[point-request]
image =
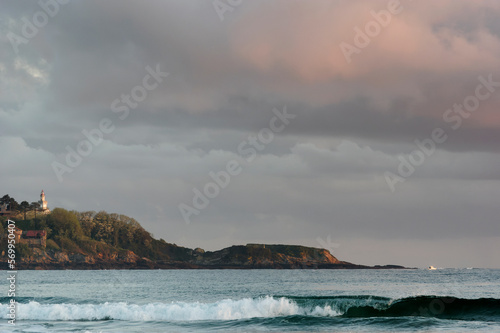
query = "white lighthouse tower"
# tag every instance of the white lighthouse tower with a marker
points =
(43, 202)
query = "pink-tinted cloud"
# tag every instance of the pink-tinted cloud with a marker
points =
(294, 47)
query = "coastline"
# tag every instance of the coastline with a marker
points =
(146, 264)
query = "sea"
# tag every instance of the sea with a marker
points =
(296, 300)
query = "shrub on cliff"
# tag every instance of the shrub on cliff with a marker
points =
(22, 251)
(64, 224)
(51, 245)
(67, 244)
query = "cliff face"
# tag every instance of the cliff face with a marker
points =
(260, 255)
(247, 256)
(234, 257)
(52, 259)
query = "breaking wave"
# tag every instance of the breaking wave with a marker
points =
(263, 307)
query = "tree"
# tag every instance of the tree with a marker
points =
(64, 223)
(86, 221)
(24, 206)
(14, 206)
(35, 205)
(5, 199)
(11, 203)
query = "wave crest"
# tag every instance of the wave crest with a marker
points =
(263, 307)
(266, 307)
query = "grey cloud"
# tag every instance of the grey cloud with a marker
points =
(324, 174)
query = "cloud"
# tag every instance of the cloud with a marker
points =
(323, 174)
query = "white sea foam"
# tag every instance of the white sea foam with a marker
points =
(264, 307)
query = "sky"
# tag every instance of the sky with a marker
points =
(370, 128)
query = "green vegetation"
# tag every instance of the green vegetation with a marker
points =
(15, 208)
(110, 236)
(51, 245)
(22, 250)
(90, 233)
(250, 252)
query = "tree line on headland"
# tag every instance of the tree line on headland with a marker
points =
(12, 205)
(100, 233)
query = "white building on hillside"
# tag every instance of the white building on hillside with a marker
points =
(43, 203)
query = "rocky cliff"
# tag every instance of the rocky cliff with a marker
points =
(235, 257)
(261, 255)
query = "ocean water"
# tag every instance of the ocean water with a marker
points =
(449, 300)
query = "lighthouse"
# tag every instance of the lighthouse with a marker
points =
(43, 202)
